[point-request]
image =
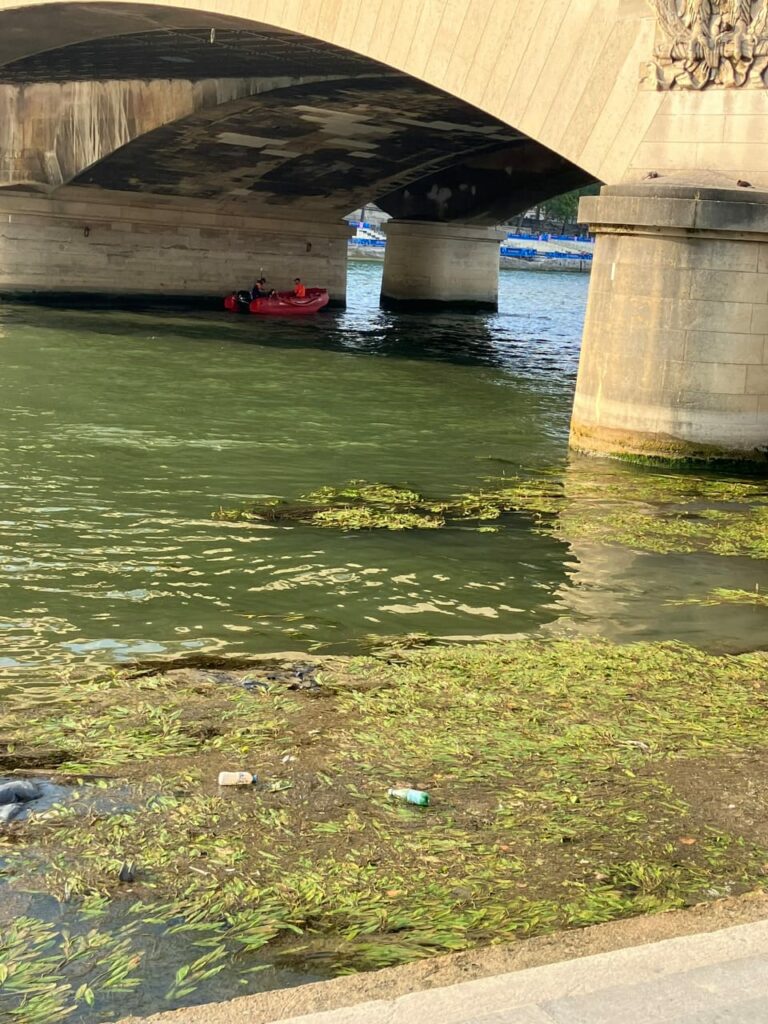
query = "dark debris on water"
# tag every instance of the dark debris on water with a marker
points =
(301, 677)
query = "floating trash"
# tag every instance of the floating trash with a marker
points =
(237, 778)
(20, 797)
(410, 796)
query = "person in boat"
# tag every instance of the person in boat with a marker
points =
(298, 288)
(261, 290)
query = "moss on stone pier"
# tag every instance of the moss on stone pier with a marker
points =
(664, 450)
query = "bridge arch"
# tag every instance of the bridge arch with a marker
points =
(576, 76)
(91, 83)
(111, 103)
(562, 73)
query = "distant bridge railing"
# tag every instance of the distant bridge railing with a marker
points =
(529, 237)
(369, 243)
(520, 253)
(516, 252)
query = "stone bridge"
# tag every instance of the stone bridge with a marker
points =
(148, 149)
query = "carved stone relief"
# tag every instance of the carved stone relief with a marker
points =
(709, 43)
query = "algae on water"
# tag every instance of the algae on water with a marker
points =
(723, 595)
(648, 511)
(569, 778)
(354, 506)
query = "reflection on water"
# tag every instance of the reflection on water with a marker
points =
(122, 432)
(629, 595)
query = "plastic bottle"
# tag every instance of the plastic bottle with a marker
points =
(237, 778)
(410, 796)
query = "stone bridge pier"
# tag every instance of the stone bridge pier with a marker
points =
(674, 361)
(428, 264)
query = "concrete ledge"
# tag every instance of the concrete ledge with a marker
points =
(108, 300)
(96, 206)
(669, 207)
(680, 980)
(575, 952)
(661, 189)
(126, 300)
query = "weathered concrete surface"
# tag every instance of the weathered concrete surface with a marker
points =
(451, 263)
(314, 150)
(674, 362)
(623, 963)
(706, 979)
(86, 241)
(50, 132)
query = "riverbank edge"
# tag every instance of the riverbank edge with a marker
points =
(439, 663)
(471, 965)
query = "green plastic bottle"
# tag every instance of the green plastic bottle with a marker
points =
(410, 796)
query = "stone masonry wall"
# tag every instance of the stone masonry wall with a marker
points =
(113, 243)
(50, 132)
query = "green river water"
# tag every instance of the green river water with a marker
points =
(121, 432)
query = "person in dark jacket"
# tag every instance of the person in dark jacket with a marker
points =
(261, 290)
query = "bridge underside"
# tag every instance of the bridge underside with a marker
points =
(321, 130)
(252, 123)
(318, 150)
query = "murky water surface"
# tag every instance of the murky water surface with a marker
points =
(120, 434)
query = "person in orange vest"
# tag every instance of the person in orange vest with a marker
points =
(298, 289)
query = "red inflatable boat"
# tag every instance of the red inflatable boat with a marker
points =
(281, 304)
